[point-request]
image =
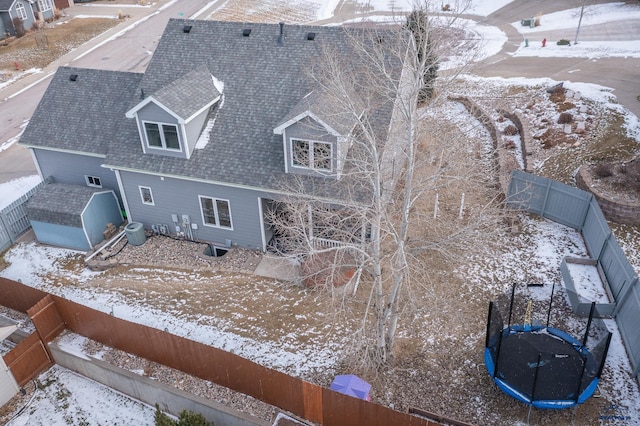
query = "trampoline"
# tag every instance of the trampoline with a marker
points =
(543, 366)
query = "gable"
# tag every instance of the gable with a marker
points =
(183, 98)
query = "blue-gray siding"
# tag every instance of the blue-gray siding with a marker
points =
(170, 192)
(61, 235)
(194, 128)
(103, 208)
(72, 168)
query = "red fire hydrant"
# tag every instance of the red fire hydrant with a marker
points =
(544, 42)
(16, 65)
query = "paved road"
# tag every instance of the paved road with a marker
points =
(621, 74)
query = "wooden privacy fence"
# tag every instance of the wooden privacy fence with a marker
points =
(52, 314)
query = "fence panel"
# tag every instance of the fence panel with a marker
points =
(595, 230)
(17, 296)
(14, 220)
(28, 359)
(627, 320)
(616, 267)
(5, 239)
(552, 200)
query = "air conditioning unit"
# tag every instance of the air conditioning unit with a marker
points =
(164, 229)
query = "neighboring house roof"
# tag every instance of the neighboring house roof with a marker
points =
(60, 203)
(5, 5)
(185, 96)
(86, 114)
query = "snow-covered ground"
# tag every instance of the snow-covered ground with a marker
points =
(91, 403)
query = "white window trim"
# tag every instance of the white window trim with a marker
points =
(311, 142)
(45, 5)
(164, 144)
(140, 188)
(88, 180)
(215, 210)
(21, 11)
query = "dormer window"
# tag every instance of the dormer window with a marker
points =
(309, 154)
(162, 136)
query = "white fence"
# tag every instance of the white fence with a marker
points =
(13, 219)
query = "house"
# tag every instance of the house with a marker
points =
(198, 146)
(28, 12)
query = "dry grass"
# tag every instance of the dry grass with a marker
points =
(38, 48)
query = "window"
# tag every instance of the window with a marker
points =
(93, 181)
(215, 212)
(163, 136)
(311, 154)
(45, 5)
(146, 195)
(22, 12)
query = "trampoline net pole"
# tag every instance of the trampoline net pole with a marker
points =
(535, 378)
(486, 343)
(604, 355)
(583, 358)
(586, 333)
(513, 292)
(553, 287)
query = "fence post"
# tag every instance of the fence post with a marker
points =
(623, 295)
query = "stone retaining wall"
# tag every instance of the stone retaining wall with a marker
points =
(523, 129)
(504, 161)
(615, 211)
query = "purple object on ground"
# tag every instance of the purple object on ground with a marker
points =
(351, 385)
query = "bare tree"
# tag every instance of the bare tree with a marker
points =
(367, 223)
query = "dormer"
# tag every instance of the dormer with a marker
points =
(315, 137)
(171, 119)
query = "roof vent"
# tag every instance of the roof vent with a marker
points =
(246, 32)
(281, 36)
(141, 93)
(311, 36)
(73, 77)
(186, 29)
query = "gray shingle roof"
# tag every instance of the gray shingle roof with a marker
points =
(263, 81)
(6, 5)
(188, 93)
(323, 107)
(60, 203)
(85, 115)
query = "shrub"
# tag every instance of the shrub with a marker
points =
(18, 26)
(563, 42)
(187, 418)
(565, 118)
(510, 130)
(603, 170)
